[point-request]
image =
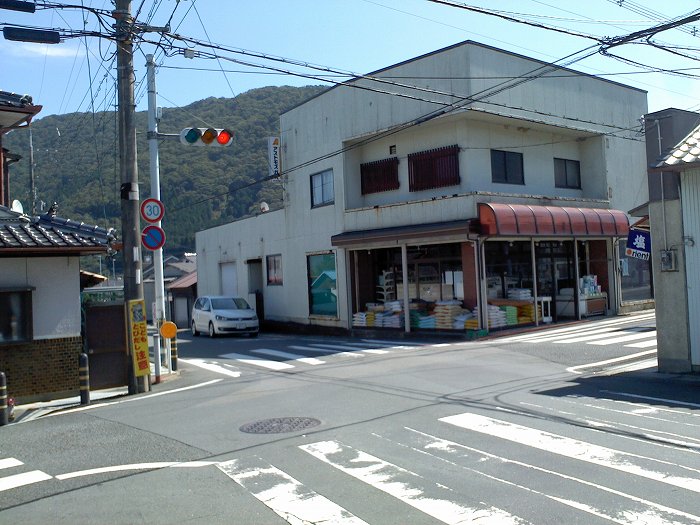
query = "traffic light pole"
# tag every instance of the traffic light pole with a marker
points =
(155, 193)
(128, 170)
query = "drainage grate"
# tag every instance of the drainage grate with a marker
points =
(277, 425)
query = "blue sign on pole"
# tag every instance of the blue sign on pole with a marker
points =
(153, 237)
(638, 244)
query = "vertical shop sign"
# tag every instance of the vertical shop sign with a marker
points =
(638, 244)
(139, 337)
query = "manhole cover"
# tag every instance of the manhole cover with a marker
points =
(277, 425)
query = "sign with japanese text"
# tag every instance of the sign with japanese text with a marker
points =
(638, 244)
(139, 337)
(273, 152)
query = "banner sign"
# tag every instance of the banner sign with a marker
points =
(638, 244)
(139, 337)
(273, 152)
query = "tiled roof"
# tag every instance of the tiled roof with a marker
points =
(46, 234)
(686, 152)
(184, 282)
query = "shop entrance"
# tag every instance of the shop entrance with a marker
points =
(556, 276)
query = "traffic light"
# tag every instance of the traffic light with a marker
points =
(206, 137)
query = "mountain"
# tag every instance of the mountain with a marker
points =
(76, 166)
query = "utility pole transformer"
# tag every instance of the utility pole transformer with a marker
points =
(128, 169)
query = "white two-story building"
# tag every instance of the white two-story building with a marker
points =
(469, 188)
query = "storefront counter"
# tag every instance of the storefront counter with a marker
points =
(595, 304)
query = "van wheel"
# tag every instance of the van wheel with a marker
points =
(195, 332)
(212, 332)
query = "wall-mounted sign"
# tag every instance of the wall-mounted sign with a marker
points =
(638, 244)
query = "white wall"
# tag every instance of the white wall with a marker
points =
(578, 118)
(56, 294)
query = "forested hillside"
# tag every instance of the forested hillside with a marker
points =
(75, 163)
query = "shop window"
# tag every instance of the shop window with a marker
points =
(321, 274)
(567, 174)
(636, 276)
(15, 315)
(380, 175)
(322, 188)
(274, 270)
(435, 168)
(507, 167)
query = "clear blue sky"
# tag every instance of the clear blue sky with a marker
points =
(352, 36)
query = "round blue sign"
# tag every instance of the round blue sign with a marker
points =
(153, 237)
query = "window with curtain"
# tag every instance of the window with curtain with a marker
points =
(322, 188)
(274, 269)
(434, 168)
(380, 175)
(15, 315)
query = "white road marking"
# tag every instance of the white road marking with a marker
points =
(20, 480)
(597, 334)
(643, 344)
(657, 400)
(265, 363)
(212, 367)
(652, 513)
(394, 344)
(576, 369)
(136, 466)
(575, 449)
(287, 355)
(554, 333)
(10, 462)
(286, 496)
(626, 338)
(399, 483)
(134, 399)
(324, 351)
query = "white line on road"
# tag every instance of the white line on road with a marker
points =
(287, 355)
(394, 480)
(286, 496)
(212, 367)
(10, 462)
(626, 338)
(576, 449)
(26, 478)
(324, 351)
(265, 363)
(651, 514)
(577, 369)
(136, 466)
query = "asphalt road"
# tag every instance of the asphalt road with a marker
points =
(513, 429)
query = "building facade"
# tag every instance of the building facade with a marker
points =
(466, 189)
(673, 138)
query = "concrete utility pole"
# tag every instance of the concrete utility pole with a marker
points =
(128, 170)
(155, 193)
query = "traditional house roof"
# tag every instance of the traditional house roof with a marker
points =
(22, 236)
(685, 155)
(16, 110)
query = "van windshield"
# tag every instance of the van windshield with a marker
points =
(229, 303)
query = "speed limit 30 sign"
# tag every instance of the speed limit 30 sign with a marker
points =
(152, 210)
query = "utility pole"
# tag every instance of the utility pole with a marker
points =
(155, 193)
(128, 169)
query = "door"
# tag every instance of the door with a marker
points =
(229, 279)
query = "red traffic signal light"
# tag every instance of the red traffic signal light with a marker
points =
(206, 137)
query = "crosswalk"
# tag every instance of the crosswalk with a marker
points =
(582, 461)
(626, 459)
(628, 331)
(19, 479)
(293, 356)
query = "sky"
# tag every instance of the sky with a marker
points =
(272, 42)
